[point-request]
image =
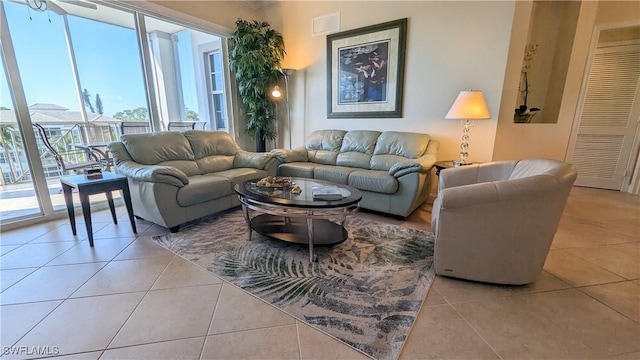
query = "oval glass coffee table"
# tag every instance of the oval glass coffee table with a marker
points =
(298, 218)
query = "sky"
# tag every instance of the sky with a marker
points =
(107, 59)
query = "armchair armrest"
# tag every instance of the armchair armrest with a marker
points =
(494, 192)
(152, 173)
(476, 173)
(291, 155)
(256, 160)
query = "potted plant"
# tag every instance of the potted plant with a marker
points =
(255, 56)
(524, 114)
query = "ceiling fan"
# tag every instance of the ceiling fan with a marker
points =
(44, 5)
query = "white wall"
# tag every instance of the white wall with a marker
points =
(519, 141)
(451, 46)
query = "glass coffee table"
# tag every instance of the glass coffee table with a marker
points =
(298, 218)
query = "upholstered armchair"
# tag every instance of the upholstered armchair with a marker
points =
(495, 222)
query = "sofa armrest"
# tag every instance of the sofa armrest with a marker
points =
(256, 160)
(421, 164)
(125, 165)
(152, 173)
(291, 155)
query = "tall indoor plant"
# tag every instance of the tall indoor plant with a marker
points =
(255, 56)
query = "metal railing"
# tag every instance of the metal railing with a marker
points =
(13, 161)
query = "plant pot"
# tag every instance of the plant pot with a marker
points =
(523, 118)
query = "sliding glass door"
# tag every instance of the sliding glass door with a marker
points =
(82, 73)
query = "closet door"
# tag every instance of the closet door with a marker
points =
(609, 117)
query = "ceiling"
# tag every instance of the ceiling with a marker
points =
(257, 4)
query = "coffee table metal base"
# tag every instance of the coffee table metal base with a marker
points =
(325, 232)
(310, 226)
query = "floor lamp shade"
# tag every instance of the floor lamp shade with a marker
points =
(469, 105)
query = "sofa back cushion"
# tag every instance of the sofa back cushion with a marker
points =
(357, 148)
(162, 148)
(363, 141)
(323, 146)
(213, 150)
(406, 144)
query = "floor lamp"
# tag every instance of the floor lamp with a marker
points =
(286, 73)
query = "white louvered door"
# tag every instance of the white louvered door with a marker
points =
(609, 117)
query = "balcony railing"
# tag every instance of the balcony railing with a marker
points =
(13, 161)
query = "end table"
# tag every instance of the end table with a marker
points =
(441, 165)
(108, 183)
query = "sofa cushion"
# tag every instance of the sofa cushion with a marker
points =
(188, 167)
(405, 144)
(354, 159)
(373, 180)
(335, 174)
(203, 188)
(214, 163)
(208, 143)
(323, 157)
(238, 175)
(154, 148)
(297, 169)
(328, 140)
(363, 141)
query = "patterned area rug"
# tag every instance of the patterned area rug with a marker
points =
(365, 291)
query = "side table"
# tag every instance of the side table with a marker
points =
(441, 165)
(108, 183)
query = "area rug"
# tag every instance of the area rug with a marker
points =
(365, 292)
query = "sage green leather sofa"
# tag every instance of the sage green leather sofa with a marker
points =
(392, 169)
(177, 177)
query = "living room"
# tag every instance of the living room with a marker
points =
(450, 46)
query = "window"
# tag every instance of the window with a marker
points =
(82, 73)
(216, 84)
(181, 73)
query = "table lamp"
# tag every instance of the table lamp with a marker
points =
(469, 105)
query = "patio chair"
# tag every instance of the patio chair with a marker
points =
(134, 127)
(64, 166)
(181, 125)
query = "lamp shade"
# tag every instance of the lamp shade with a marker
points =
(469, 105)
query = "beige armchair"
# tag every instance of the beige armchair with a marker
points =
(494, 222)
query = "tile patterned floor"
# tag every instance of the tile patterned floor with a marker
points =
(128, 298)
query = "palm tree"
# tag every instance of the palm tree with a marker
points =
(7, 142)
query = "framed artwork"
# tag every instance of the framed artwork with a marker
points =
(365, 71)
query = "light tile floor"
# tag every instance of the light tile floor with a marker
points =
(128, 298)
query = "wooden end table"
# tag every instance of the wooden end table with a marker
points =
(108, 183)
(441, 165)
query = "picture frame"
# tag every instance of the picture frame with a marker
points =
(365, 71)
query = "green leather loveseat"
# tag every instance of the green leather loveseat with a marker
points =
(392, 169)
(177, 177)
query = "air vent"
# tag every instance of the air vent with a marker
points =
(325, 24)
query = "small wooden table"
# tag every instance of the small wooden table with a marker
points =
(441, 165)
(108, 183)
